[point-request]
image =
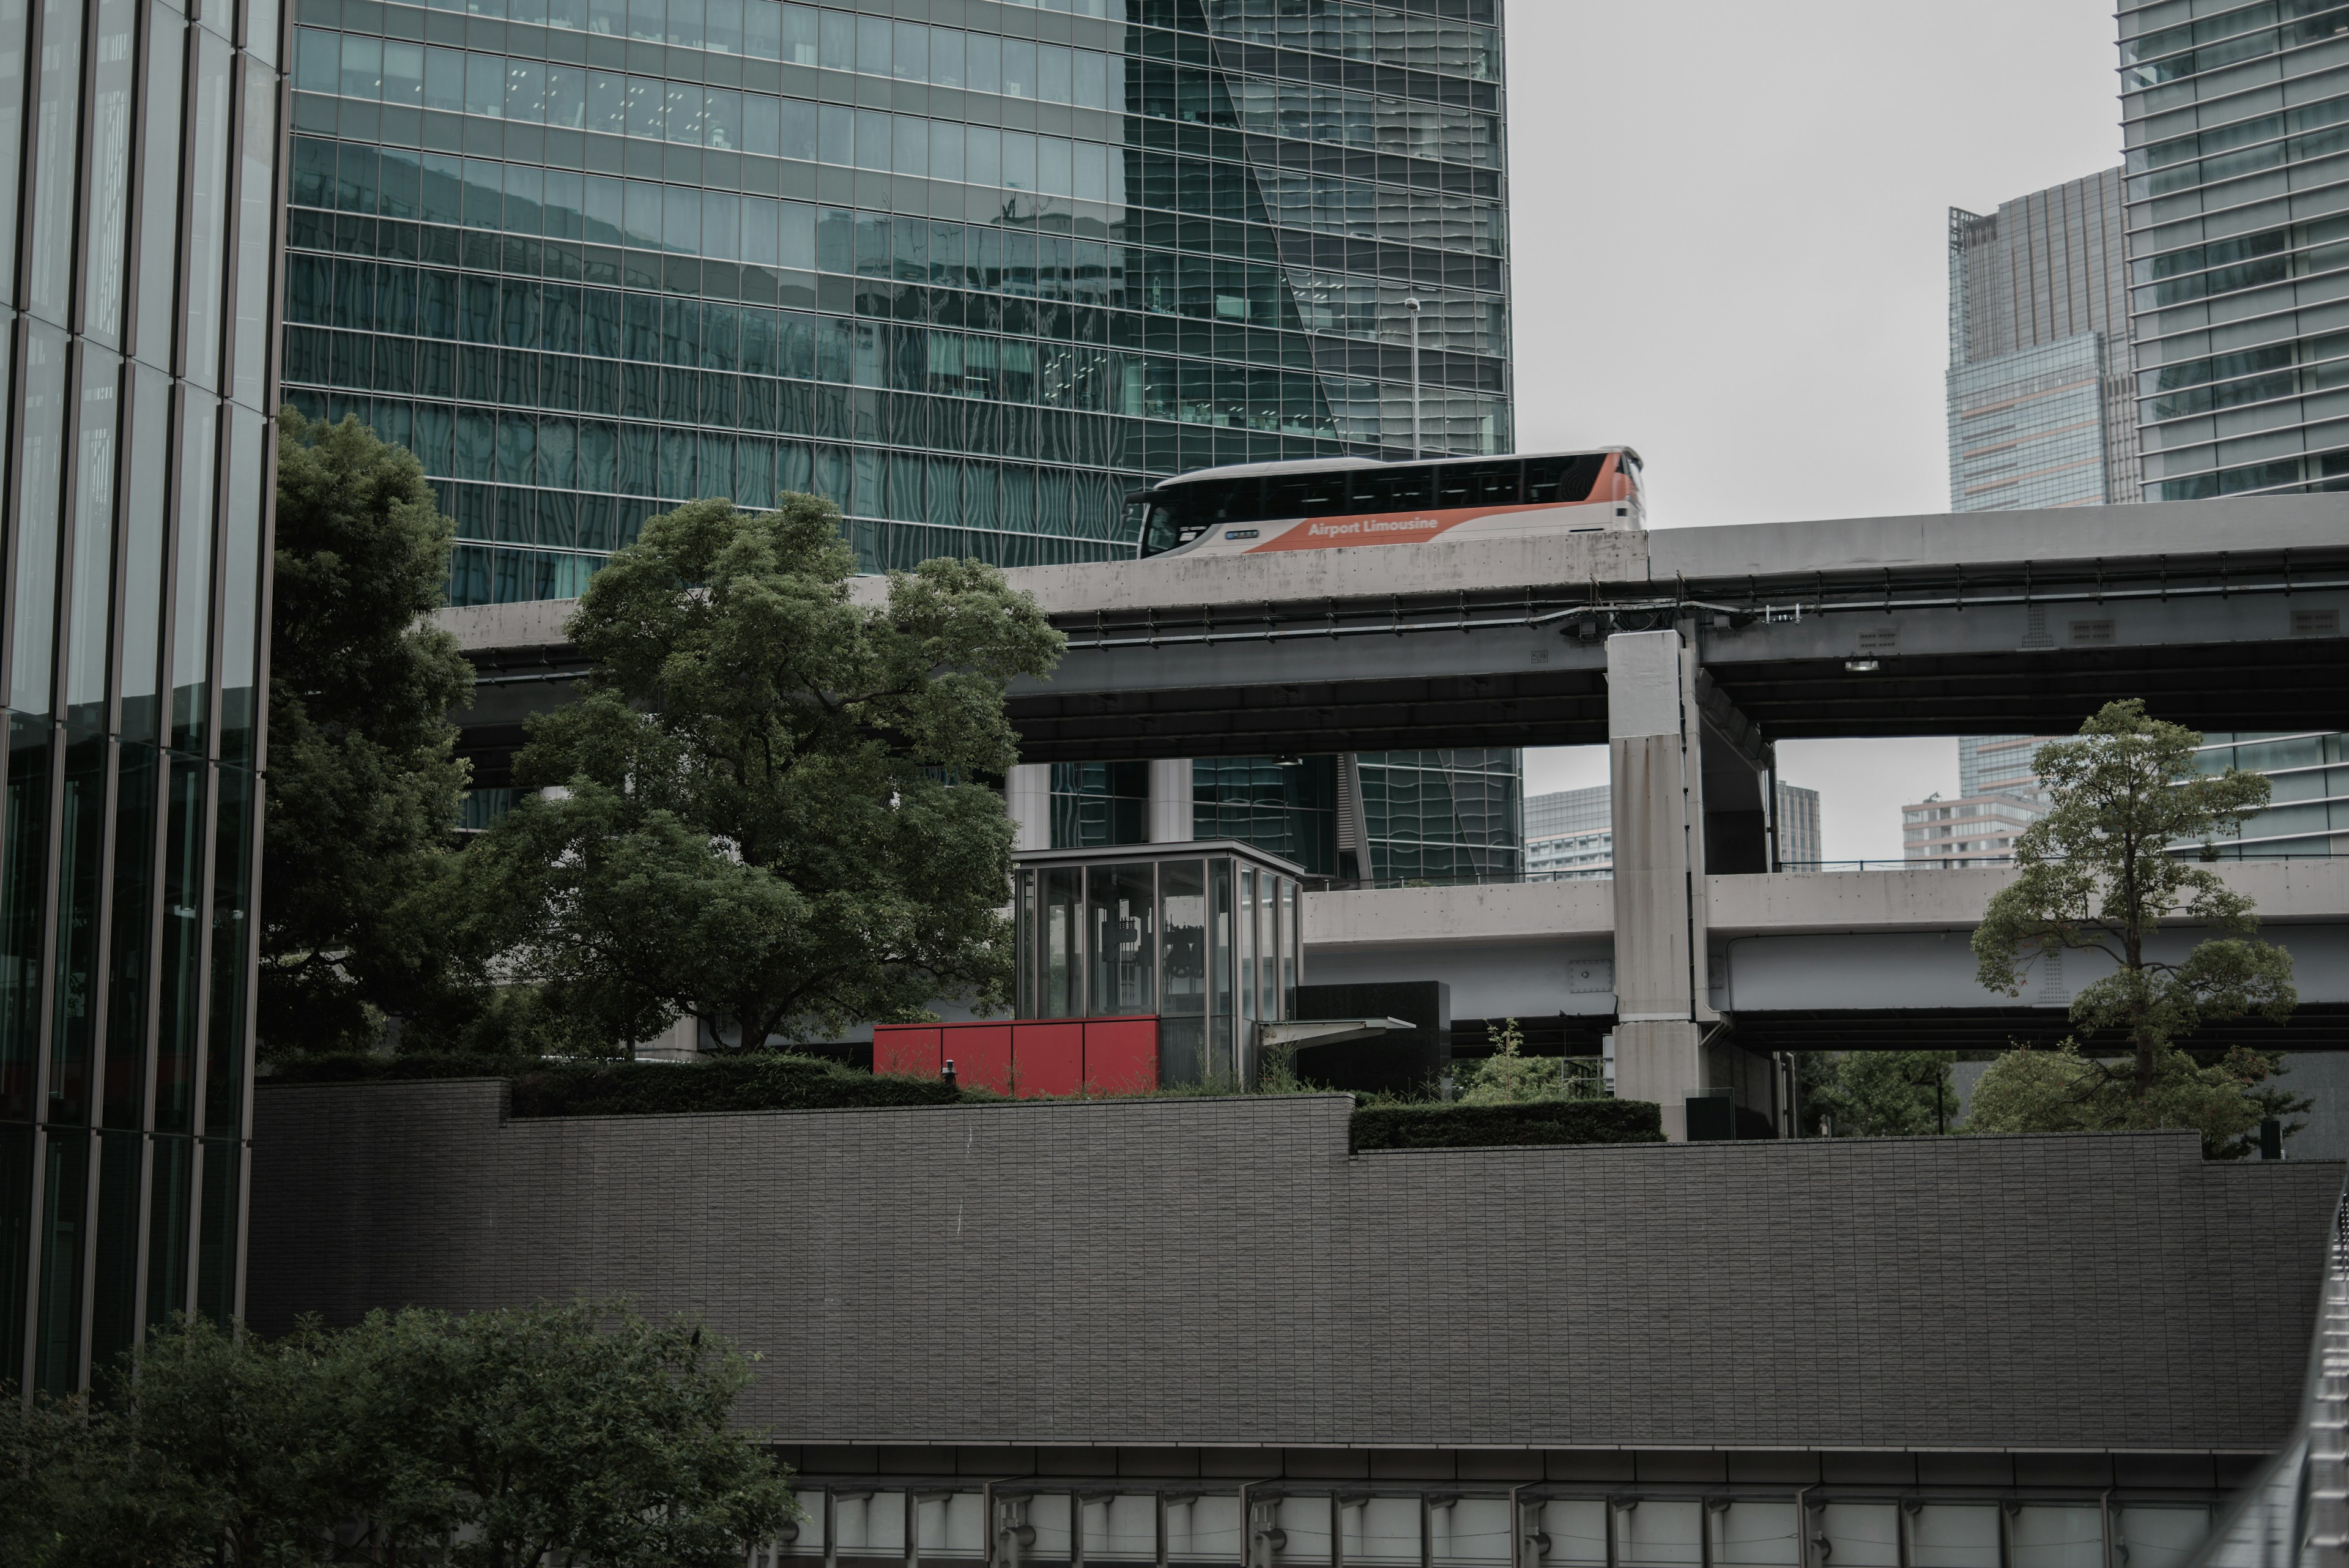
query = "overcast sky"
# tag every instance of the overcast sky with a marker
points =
(1730, 234)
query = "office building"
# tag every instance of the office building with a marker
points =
(1441, 815)
(139, 179)
(2000, 765)
(1570, 834)
(971, 269)
(2044, 407)
(2041, 409)
(2237, 237)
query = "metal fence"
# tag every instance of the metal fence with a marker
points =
(2295, 1513)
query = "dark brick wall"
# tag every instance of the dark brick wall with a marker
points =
(1219, 1272)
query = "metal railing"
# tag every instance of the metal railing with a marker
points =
(2295, 1512)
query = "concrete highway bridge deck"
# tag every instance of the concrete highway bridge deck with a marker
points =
(1869, 959)
(2223, 614)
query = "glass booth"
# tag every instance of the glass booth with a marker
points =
(1205, 936)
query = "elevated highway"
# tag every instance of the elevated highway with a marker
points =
(1874, 960)
(2225, 615)
(1875, 626)
(1690, 653)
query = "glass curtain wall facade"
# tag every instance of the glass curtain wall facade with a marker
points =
(1444, 815)
(2042, 410)
(139, 165)
(970, 269)
(2235, 117)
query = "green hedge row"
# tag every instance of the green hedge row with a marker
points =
(1487, 1126)
(760, 1083)
(781, 1083)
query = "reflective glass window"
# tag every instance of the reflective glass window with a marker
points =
(129, 966)
(91, 595)
(43, 416)
(202, 306)
(56, 115)
(57, 1333)
(81, 886)
(24, 866)
(170, 1211)
(192, 576)
(106, 226)
(14, 15)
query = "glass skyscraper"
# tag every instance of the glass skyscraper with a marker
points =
(1440, 816)
(2041, 409)
(971, 269)
(139, 178)
(2235, 117)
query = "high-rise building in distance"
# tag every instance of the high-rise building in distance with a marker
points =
(138, 184)
(2040, 405)
(2238, 242)
(1570, 834)
(971, 269)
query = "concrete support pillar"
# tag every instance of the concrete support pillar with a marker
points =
(1170, 801)
(1658, 800)
(1028, 796)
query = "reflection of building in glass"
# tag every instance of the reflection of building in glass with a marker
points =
(2310, 809)
(2238, 235)
(2040, 411)
(140, 180)
(1570, 834)
(2000, 765)
(1450, 815)
(972, 276)
(1285, 807)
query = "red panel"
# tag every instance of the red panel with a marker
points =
(1121, 1056)
(1052, 1058)
(910, 1050)
(981, 1053)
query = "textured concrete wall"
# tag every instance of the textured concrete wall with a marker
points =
(1221, 1273)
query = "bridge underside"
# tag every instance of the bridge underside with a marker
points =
(1546, 708)
(2228, 686)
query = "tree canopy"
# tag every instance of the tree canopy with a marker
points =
(2097, 875)
(495, 1441)
(364, 782)
(1878, 1094)
(770, 811)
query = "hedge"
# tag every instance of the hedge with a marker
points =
(1486, 1126)
(760, 1082)
(772, 1082)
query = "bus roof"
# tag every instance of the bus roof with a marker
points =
(1334, 464)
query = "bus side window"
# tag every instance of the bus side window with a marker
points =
(1228, 501)
(1397, 489)
(1305, 495)
(1542, 476)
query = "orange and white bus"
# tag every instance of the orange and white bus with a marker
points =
(1331, 502)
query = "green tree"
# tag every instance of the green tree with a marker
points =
(2027, 1091)
(494, 1441)
(770, 813)
(364, 783)
(2097, 874)
(1879, 1094)
(1509, 1077)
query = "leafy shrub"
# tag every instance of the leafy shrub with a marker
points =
(1486, 1126)
(762, 1081)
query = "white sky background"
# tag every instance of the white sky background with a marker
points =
(1730, 238)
